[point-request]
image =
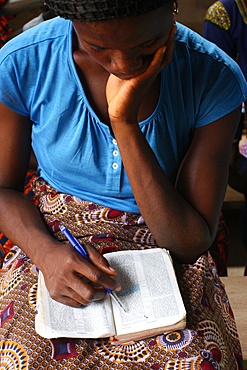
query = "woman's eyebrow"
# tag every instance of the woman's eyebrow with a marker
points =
(154, 38)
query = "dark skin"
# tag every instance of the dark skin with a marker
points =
(120, 69)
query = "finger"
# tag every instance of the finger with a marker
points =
(163, 54)
(99, 261)
(97, 271)
(78, 293)
(170, 46)
(77, 301)
(95, 275)
(70, 273)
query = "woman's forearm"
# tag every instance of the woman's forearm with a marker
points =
(22, 223)
(175, 224)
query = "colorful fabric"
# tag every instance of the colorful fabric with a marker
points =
(220, 247)
(5, 243)
(5, 30)
(210, 340)
(218, 15)
(5, 246)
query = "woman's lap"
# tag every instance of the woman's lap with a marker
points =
(209, 341)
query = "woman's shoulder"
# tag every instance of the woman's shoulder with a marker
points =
(193, 41)
(43, 34)
(188, 39)
(30, 61)
(201, 51)
(215, 79)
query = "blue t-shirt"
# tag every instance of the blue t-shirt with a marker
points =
(76, 152)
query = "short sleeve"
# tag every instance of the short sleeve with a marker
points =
(13, 75)
(225, 94)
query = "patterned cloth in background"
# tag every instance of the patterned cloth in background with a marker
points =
(225, 24)
(5, 30)
(209, 341)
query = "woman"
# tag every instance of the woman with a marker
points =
(129, 121)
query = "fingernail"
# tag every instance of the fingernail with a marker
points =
(112, 269)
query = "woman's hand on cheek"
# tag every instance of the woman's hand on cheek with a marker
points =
(124, 97)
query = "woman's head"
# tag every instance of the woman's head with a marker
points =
(96, 10)
(125, 46)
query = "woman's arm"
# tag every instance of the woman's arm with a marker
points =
(183, 218)
(22, 223)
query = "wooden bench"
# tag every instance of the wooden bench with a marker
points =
(236, 288)
(233, 199)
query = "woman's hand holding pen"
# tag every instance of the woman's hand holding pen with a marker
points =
(74, 281)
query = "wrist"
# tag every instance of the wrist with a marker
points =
(125, 130)
(123, 125)
(127, 121)
(41, 249)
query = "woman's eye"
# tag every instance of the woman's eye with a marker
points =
(96, 48)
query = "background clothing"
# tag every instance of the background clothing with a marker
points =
(188, 99)
(5, 30)
(226, 25)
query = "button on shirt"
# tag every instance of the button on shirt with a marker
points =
(76, 152)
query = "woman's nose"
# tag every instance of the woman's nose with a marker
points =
(123, 63)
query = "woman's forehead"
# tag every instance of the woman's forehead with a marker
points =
(136, 30)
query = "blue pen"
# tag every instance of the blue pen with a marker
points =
(80, 249)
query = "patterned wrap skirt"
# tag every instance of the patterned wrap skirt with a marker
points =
(209, 341)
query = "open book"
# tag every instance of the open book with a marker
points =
(150, 295)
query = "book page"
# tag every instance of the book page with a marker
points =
(92, 321)
(149, 290)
